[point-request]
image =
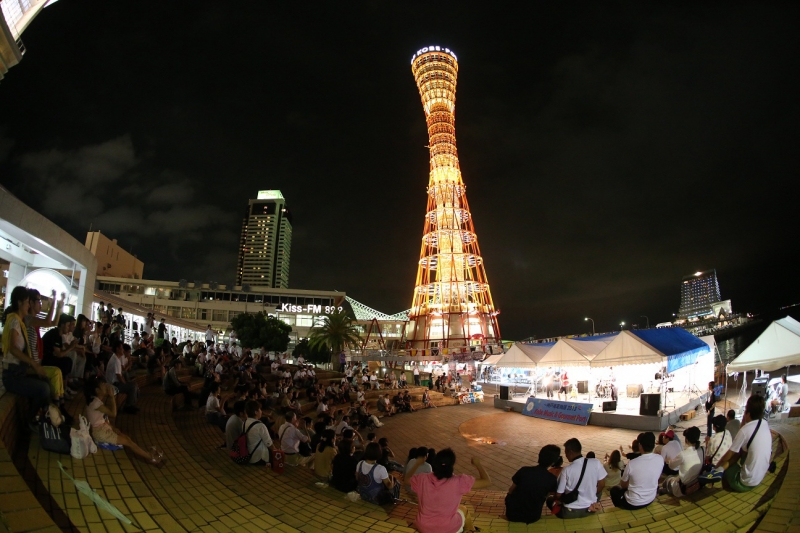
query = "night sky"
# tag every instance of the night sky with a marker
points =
(608, 149)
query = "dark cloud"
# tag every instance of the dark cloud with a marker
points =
(608, 149)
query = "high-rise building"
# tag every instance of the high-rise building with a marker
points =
(15, 16)
(699, 294)
(266, 242)
(452, 305)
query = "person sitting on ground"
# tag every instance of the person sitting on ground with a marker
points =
(366, 418)
(669, 451)
(59, 382)
(424, 468)
(732, 425)
(259, 442)
(18, 359)
(755, 436)
(720, 443)
(343, 466)
(386, 459)
(635, 451)
(100, 405)
(234, 424)
(570, 480)
(614, 467)
(215, 409)
(688, 463)
(324, 456)
(639, 485)
(407, 402)
(174, 386)
(781, 390)
(375, 485)
(439, 493)
(530, 487)
(115, 377)
(291, 436)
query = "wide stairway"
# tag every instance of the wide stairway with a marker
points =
(199, 488)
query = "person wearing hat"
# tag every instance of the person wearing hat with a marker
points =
(671, 449)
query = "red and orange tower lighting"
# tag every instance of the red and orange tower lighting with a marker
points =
(452, 304)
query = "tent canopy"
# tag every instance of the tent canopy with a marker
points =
(567, 352)
(516, 357)
(492, 359)
(776, 348)
(675, 345)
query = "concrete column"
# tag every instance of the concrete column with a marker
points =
(15, 274)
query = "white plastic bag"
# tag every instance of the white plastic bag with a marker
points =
(82, 443)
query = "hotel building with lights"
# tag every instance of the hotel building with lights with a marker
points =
(266, 242)
(700, 297)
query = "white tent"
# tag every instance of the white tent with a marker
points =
(567, 352)
(516, 358)
(627, 349)
(777, 347)
(492, 359)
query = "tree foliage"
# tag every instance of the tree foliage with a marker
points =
(318, 354)
(262, 331)
(337, 331)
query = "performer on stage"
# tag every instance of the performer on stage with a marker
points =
(548, 381)
(564, 386)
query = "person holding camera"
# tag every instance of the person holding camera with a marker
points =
(578, 484)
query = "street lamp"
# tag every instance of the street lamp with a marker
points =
(587, 318)
(648, 320)
(621, 326)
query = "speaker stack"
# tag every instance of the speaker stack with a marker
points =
(503, 392)
(649, 404)
(609, 406)
(583, 387)
(759, 387)
(634, 391)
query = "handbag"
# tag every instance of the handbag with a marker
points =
(53, 438)
(708, 464)
(571, 496)
(82, 442)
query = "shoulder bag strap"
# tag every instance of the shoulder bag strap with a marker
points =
(583, 470)
(749, 442)
(718, 447)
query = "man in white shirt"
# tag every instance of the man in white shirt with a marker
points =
(416, 376)
(259, 442)
(291, 436)
(210, 336)
(115, 376)
(591, 485)
(301, 360)
(344, 424)
(781, 391)
(754, 441)
(187, 349)
(671, 449)
(639, 485)
(149, 324)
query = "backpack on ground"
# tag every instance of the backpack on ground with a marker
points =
(239, 452)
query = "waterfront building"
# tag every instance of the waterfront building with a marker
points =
(452, 304)
(700, 297)
(215, 304)
(266, 242)
(15, 16)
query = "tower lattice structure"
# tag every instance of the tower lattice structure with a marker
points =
(452, 304)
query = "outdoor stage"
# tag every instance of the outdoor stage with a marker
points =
(626, 415)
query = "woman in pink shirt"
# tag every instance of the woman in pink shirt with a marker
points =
(439, 494)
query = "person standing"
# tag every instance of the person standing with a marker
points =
(416, 375)
(710, 411)
(782, 390)
(210, 336)
(162, 329)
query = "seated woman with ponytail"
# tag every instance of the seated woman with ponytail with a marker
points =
(22, 373)
(688, 463)
(439, 494)
(100, 404)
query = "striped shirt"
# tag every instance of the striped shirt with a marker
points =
(33, 338)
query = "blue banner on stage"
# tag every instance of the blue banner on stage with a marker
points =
(569, 412)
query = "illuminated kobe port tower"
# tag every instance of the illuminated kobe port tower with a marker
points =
(452, 307)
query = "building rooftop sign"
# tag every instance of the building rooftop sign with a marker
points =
(270, 195)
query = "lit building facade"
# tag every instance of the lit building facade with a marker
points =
(700, 296)
(266, 242)
(112, 259)
(452, 305)
(209, 303)
(15, 16)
